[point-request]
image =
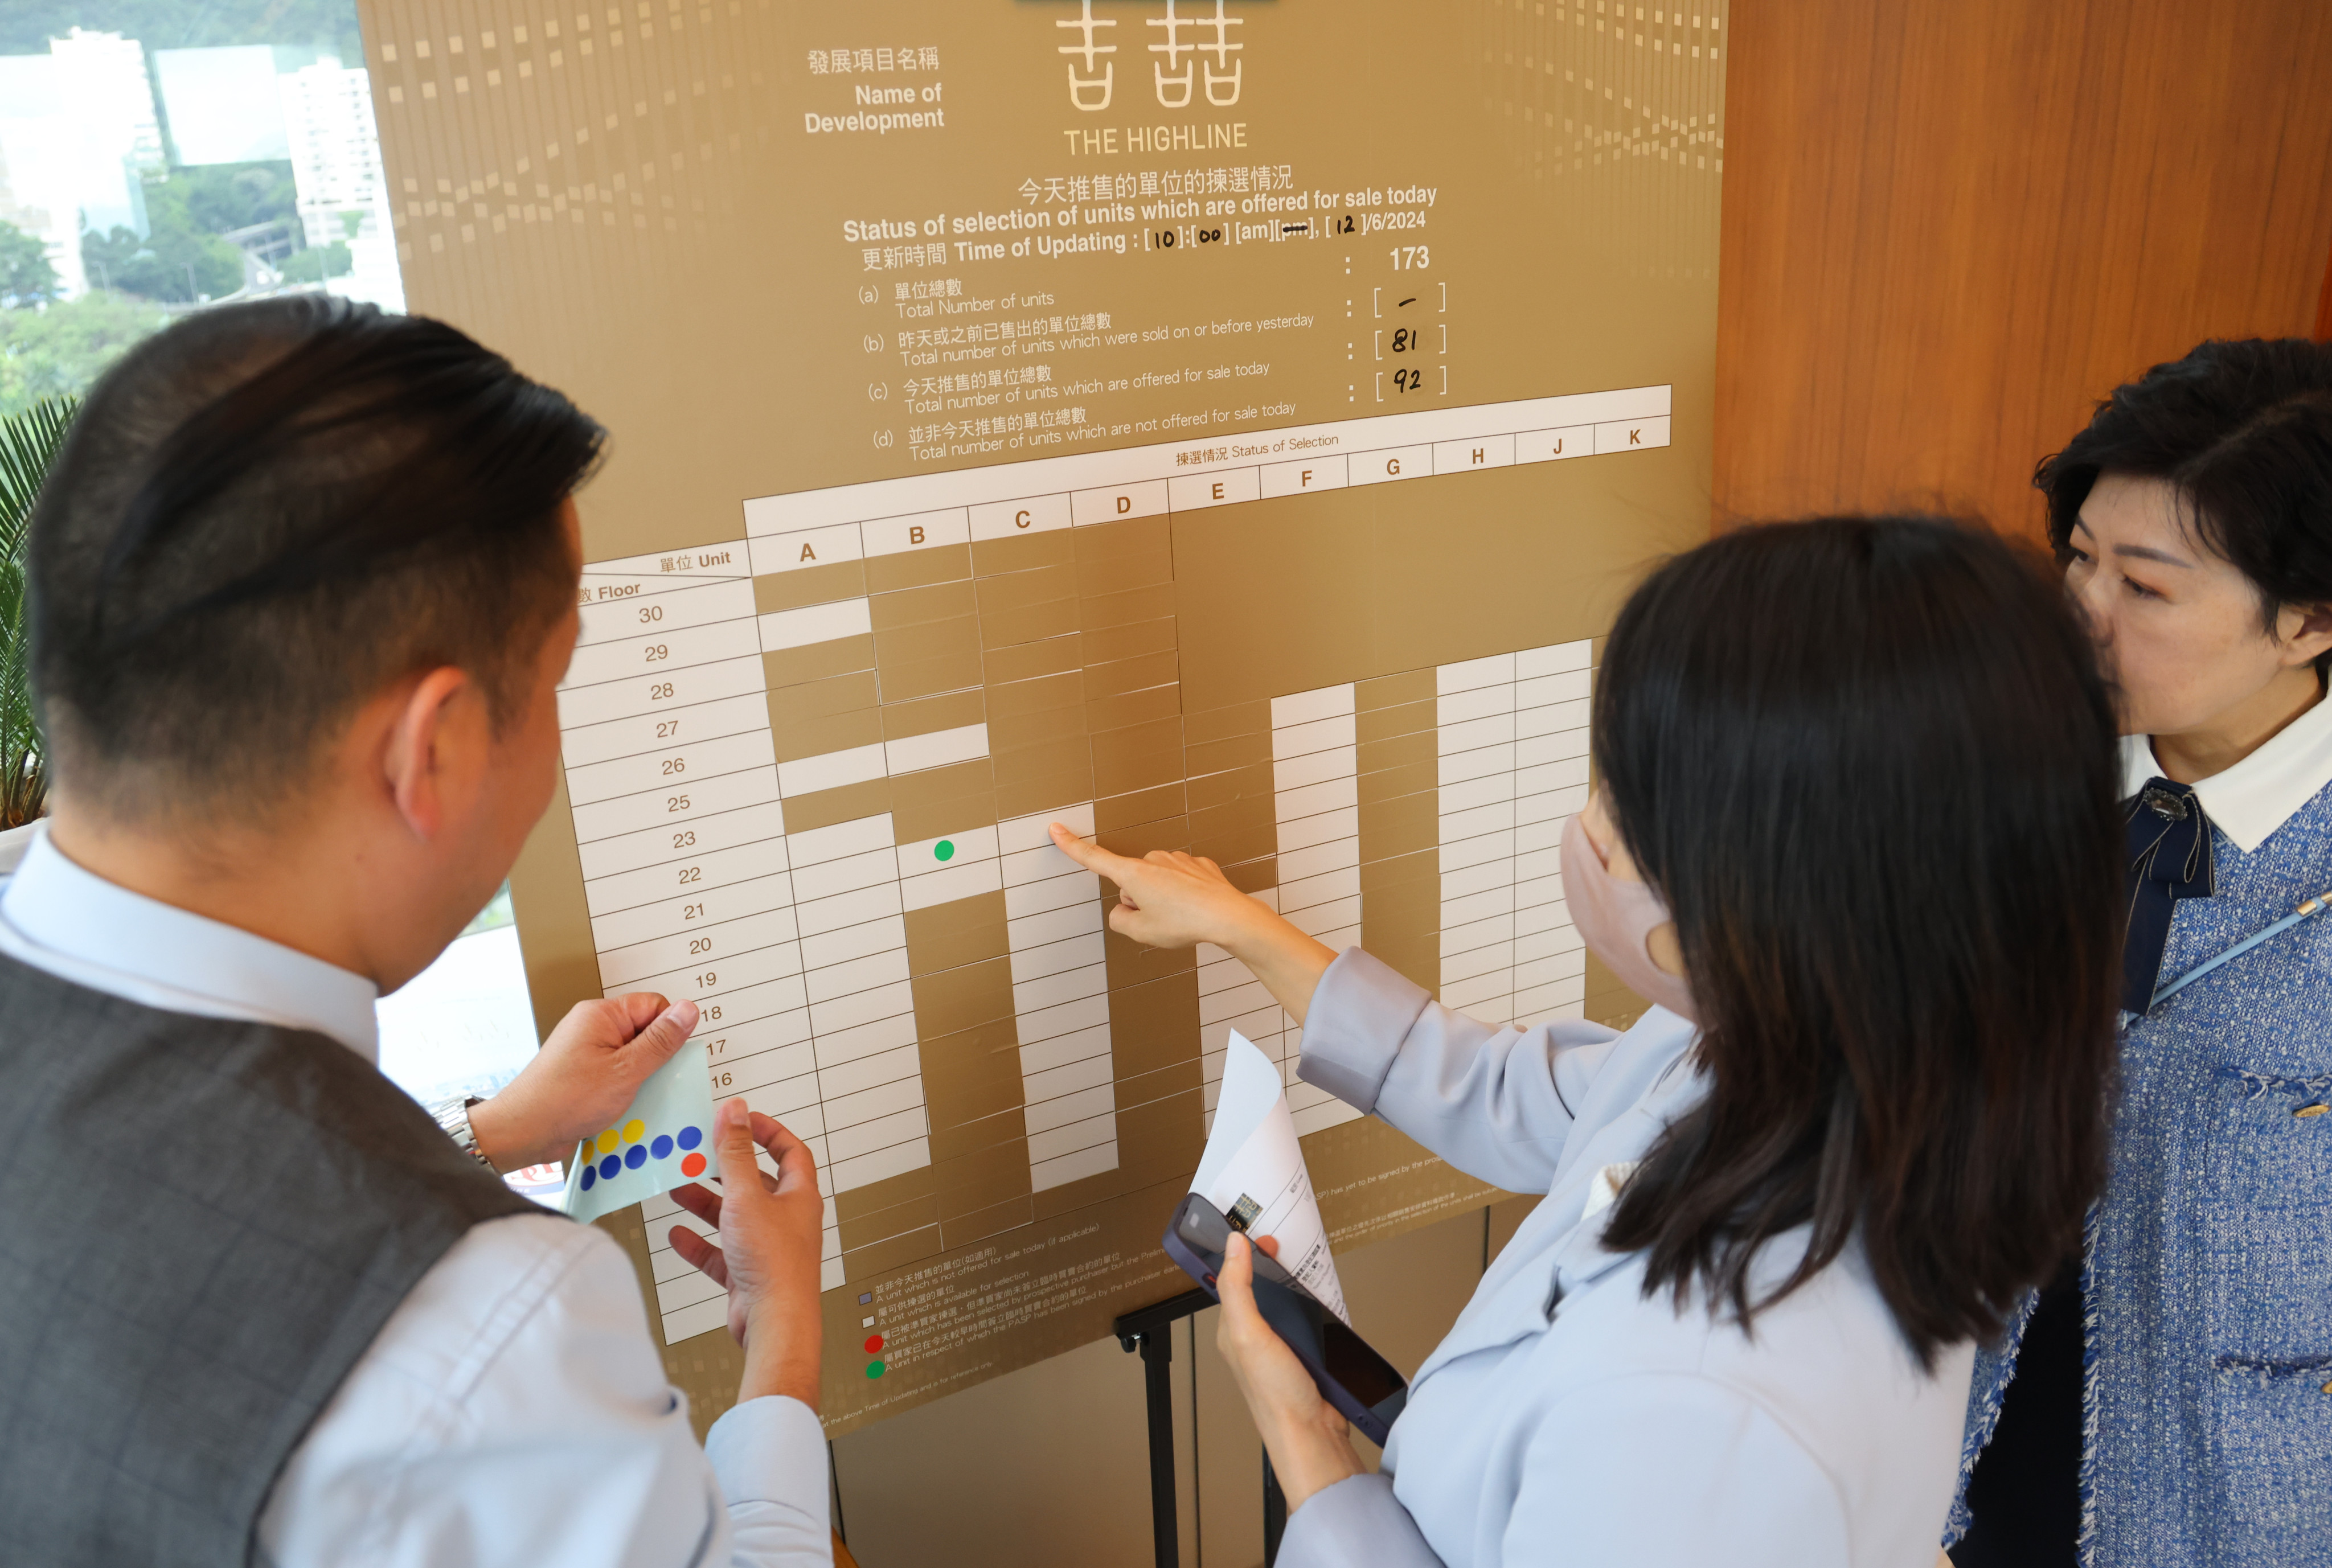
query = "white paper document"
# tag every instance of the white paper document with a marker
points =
(1253, 1171)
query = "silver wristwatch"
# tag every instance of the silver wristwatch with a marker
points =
(454, 1115)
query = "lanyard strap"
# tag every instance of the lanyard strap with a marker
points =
(2313, 906)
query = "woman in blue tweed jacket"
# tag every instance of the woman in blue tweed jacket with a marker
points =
(2170, 1402)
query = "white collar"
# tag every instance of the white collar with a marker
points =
(2258, 795)
(75, 924)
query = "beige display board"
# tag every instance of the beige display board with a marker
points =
(1223, 426)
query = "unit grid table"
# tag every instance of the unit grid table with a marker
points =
(811, 772)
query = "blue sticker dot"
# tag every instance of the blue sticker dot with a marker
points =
(609, 1166)
(635, 1156)
(690, 1137)
(590, 1178)
(661, 1148)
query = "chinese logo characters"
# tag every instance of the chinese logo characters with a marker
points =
(1206, 59)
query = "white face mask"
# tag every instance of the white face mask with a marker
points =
(1616, 918)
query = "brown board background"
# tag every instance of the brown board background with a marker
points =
(624, 199)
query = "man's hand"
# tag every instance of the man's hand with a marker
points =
(771, 1229)
(1170, 899)
(587, 1071)
(1310, 1445)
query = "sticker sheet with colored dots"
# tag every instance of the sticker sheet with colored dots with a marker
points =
(662, 1139)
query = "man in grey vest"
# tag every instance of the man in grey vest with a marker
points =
(302, 585)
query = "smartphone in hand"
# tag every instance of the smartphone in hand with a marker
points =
(1359, 1383)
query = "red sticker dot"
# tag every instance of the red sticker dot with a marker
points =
(692, 1166)
(873, 1342)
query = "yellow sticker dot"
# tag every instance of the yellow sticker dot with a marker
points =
(608, 1142)
(635, 1130)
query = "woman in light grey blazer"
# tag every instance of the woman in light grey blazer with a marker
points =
(1868, 766)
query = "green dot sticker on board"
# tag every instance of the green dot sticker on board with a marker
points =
(874, 1369)
(943, 850)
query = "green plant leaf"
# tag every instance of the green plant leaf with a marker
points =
(28, 443)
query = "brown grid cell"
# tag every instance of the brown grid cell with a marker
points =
(1016, 591)
(994, 557)
(1114, 812)
(814, 717)
(824, 807)
(1242, 831)
(917, 640)
(818, 661)
(896, 1253)
(798, 738)
(963, 1229)
(914, 568)
(1137, 537)
(1393, 691)
(1130, 607)
(1154, 1025)
(813, 585)
(909, 678)
(1062, 694)
(1028, 661)
(1157, 1142)
(1140, 838)
(1232, 786)
(949, 935)
(889, 1195)
(1026, 794)
(1135, 1090)
(1145, 566)
(978, 1181)
(1406, 719)
(914, 606)
(965, 1139)
(1127, 709)
(1396, 751)
(1140, 673)
(950, 1000)
(1229, 752)
(956, 799)
(865, 1226)
(1420, 778)
(1047, 754)
(1030, 623)
(1404, 878)
(1239, 719)
(1140, 757)
(1406, 824)
(1104, 644)
(1253, 876)
(971, 1074)
(1132, 964)
(925, 715)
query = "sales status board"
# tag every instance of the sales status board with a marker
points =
(1219, 426)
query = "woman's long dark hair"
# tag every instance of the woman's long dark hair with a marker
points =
(1870, 764)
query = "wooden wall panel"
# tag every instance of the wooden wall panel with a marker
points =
(1951, 225)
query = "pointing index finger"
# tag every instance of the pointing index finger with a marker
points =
(1091, 856)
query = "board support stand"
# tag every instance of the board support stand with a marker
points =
(1150, 1330)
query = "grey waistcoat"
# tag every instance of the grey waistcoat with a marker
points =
(203, 1224)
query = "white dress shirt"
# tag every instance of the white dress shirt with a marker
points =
(513, 1410)
(2258, 795)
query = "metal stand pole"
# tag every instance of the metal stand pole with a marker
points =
(1151, 1331)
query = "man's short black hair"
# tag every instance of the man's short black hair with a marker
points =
(2242, 430)
(268, 513)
